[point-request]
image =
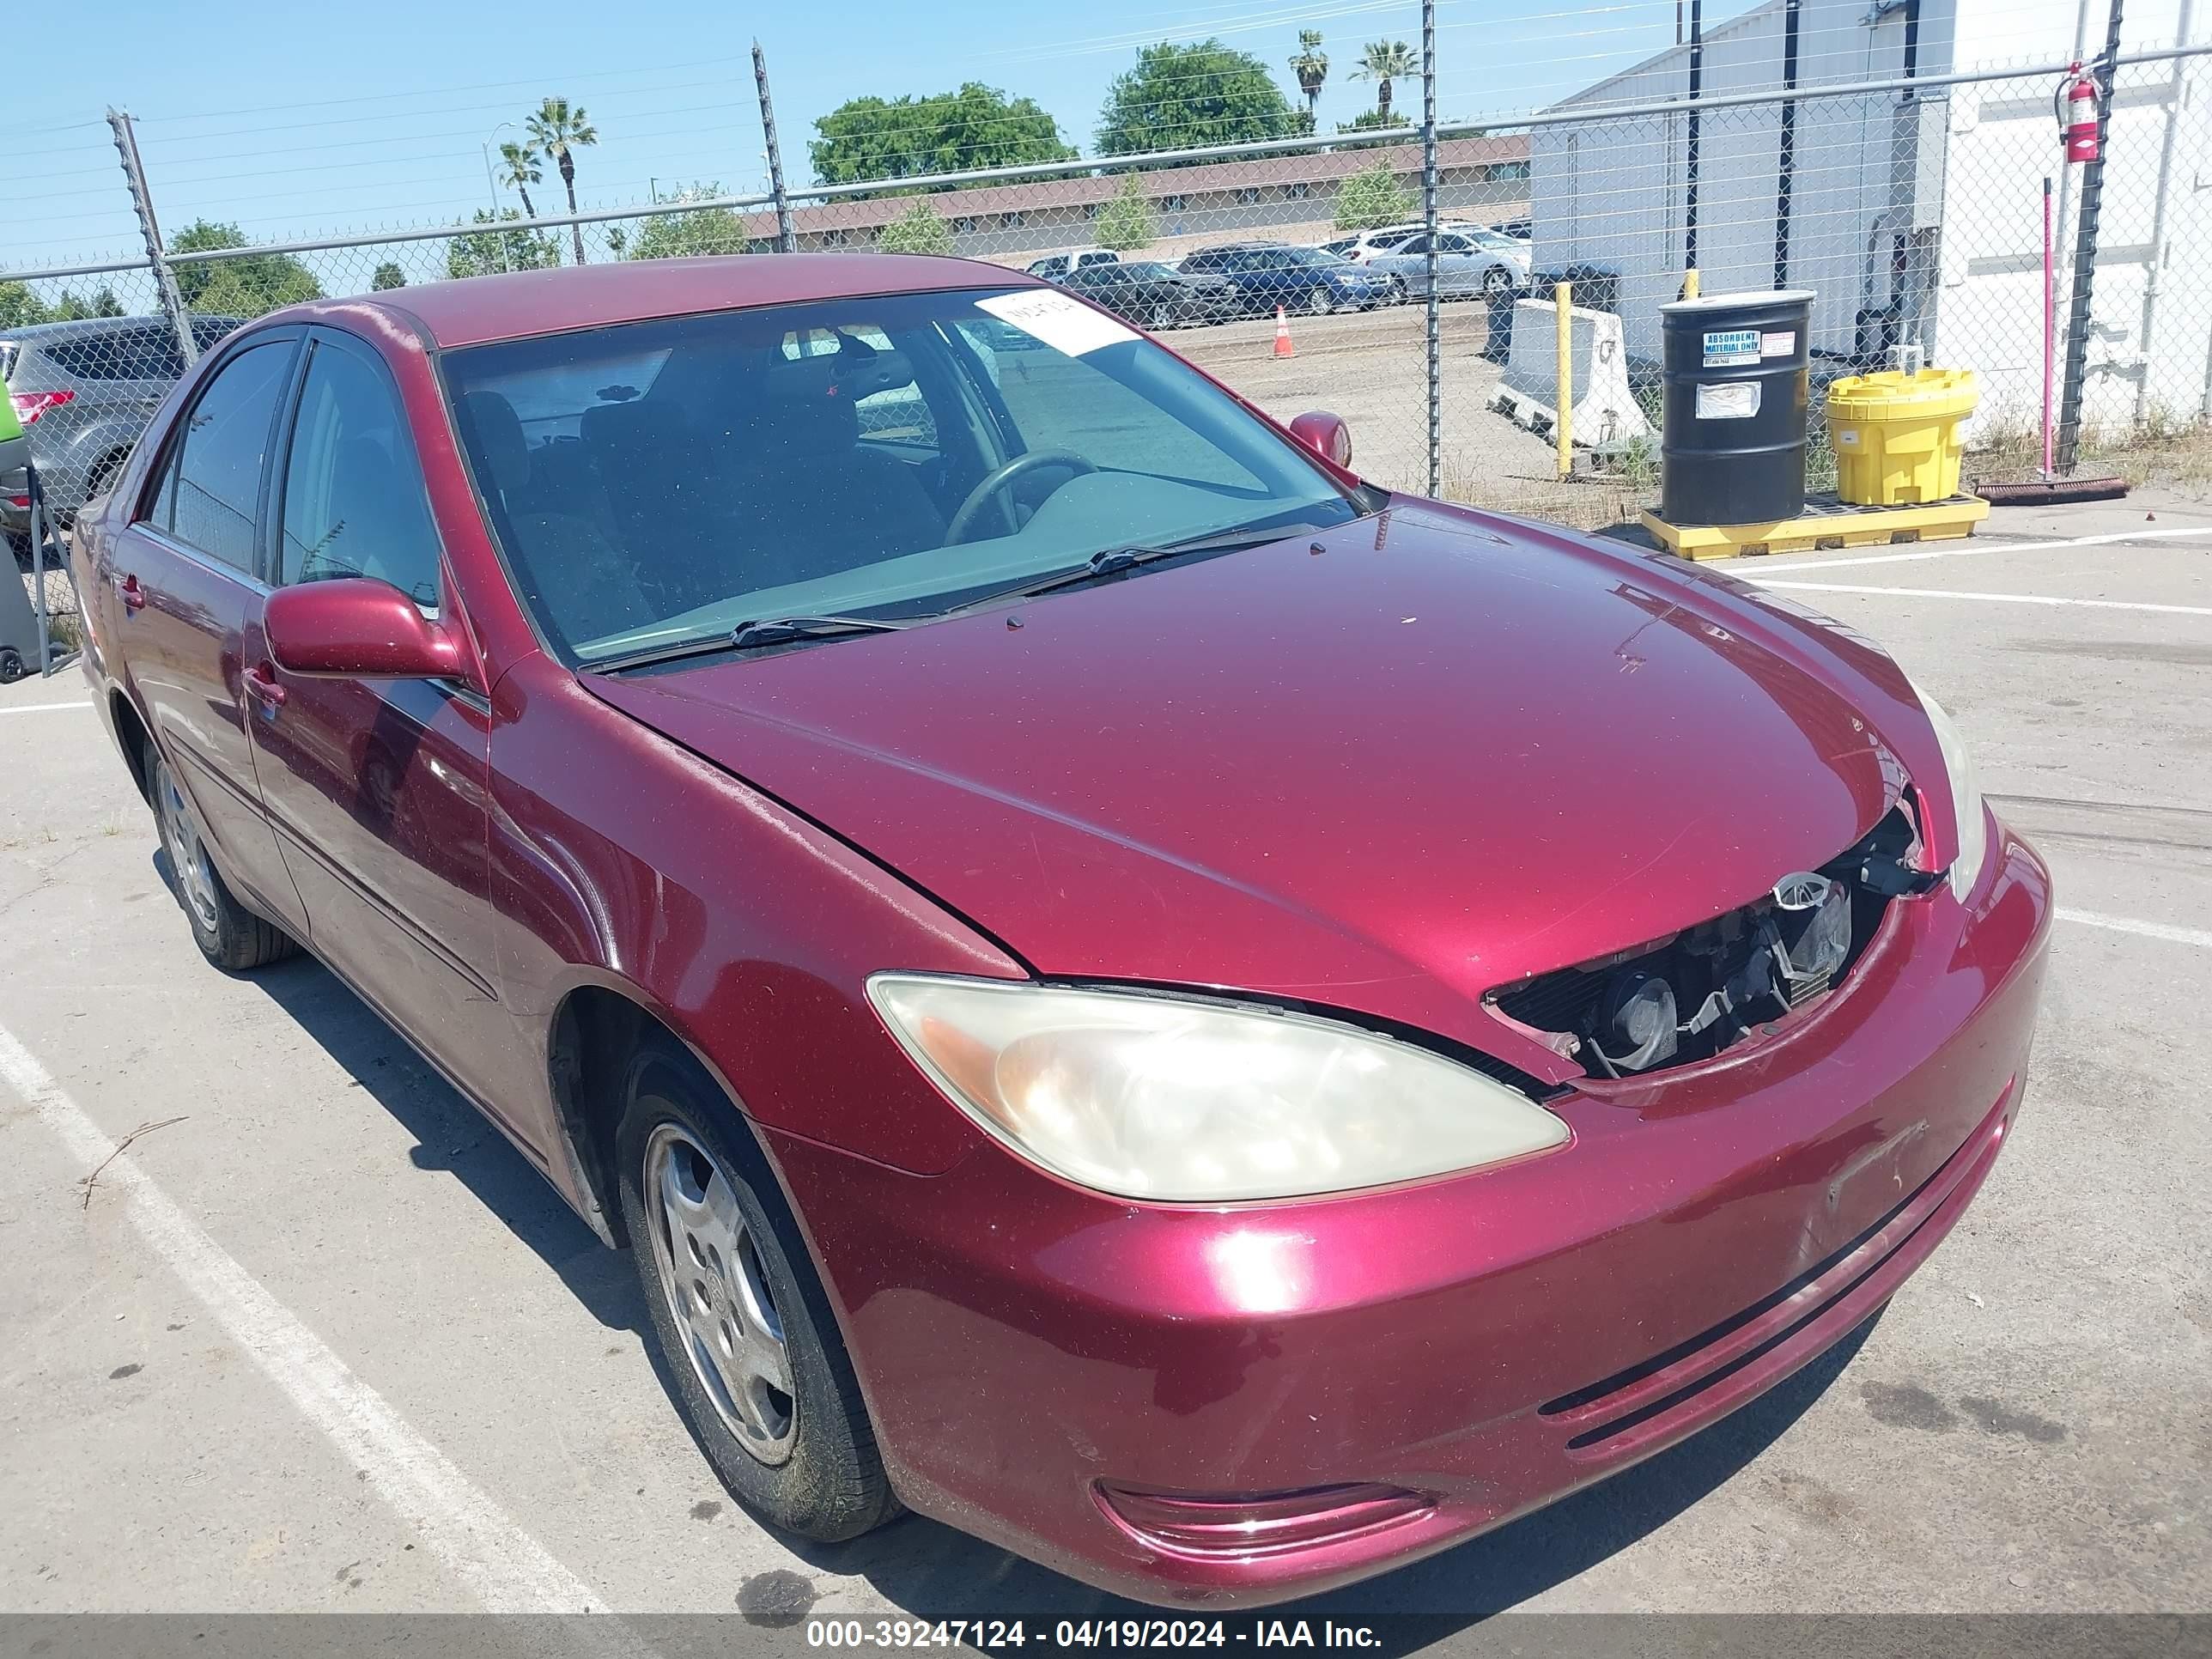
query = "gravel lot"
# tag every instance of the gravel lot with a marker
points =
(324, 1342)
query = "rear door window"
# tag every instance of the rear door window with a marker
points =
(225, 443)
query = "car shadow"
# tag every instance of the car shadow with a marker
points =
(933, 1572)
(451, 1136)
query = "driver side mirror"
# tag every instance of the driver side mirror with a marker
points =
(357, 628)
(1326, 435)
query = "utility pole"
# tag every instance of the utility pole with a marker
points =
(786, 238)
(1429, 259)
(133, 175)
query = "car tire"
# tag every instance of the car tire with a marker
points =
(1497, 283)
(1162, 317)
(1318, 303)
(736, 1305)
(1398, 295)
(230, 936)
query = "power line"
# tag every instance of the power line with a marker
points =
(433, 91)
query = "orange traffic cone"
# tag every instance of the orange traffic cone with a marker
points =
(1283, 346)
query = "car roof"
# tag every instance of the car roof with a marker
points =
(476, 309)
(83, 328)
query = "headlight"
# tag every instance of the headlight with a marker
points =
(1965, 797)
(1170, 1098)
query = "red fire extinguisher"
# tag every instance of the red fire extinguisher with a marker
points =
(2075, 104)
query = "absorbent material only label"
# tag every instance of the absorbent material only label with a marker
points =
(1731, 348)
(1061, 323)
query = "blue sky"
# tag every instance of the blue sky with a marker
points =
(294, 119)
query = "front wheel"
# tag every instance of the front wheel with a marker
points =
(1497, 283)
(1163, 316)
(230, 936)
(760, 1371)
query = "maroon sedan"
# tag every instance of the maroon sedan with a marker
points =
(1216, 1026)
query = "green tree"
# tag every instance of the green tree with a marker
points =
(1311, 67)
(1372, 197)
(1128, 221)
(1383, 62)
(1182, 97)
(518, 170)
(487, 253)
(388, 275)
(684, 235)
(1374, 120)
(558, 130)
(244, 287)
(70, 306)
(977, 126)
(918, 230)
(19, 307)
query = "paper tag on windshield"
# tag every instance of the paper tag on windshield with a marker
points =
(1059, 321)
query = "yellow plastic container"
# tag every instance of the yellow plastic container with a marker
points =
(1896, 435)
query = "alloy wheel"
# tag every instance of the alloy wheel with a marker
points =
(717, 1293)
(1318, 302)
(188, 856)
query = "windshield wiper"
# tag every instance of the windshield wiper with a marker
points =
(748, 637)
(1112, 561)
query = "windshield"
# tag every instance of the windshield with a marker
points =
(895, 455)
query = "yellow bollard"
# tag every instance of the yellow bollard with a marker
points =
(1690, 284)
(1563, 393)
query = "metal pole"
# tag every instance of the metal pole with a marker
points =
(1697, 133)
(2155, 273)
(1436, 365)
(133, 175)
(2050, 306)
(2085, 259)
(1785, 165)
(787, 238)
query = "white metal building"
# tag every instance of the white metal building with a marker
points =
(1911, 217)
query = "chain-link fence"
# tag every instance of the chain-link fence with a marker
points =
(1909, 198)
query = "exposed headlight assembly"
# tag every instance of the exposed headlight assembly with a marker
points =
(1178, 1099)
(1967, 809)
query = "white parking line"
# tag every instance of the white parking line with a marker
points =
(509, 1570)
(1969, 549)
(42, 708)
(2167, 931)
(1993, 598)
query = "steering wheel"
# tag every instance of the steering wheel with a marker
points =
(993, 487)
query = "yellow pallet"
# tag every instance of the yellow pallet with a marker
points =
(1823, 525)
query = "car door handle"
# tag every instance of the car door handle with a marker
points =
(132, 595)
(261, 685)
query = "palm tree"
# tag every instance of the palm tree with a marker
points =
(520, 163)
(558, 131)
(1383, 62)
(1310, 66)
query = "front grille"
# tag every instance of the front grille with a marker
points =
(1723, 979)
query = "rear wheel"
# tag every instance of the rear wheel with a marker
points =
(229, 936)
(760, 1370)
(1318, 302)
(1497, 282)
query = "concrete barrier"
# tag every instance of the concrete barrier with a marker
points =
(1605, 413)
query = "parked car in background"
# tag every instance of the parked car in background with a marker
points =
(1521, 230)
(1305, 279)
(1368, 243)
(1092, 1028)
(1154, 295)
(84, 391)
(1054, 266)
(1469, 262)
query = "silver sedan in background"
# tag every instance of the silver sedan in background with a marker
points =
(1469, 262)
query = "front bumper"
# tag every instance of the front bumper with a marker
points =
(1492, 1342)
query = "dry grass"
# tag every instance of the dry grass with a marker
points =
(2174, 454)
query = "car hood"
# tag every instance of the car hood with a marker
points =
(1385, 767)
